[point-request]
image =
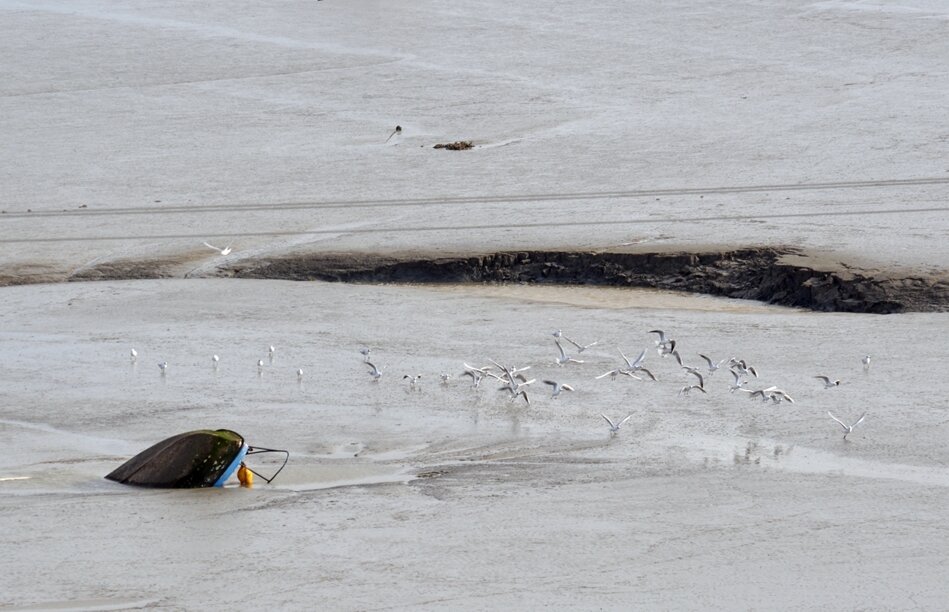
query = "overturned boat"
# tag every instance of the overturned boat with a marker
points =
(191, 460)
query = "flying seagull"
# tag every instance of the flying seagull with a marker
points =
(564, 357)
(713, 365)
(375, 372)
(739, 383)
(580, 347)
(614, 427)
(777, 395)
(634, 365)
(742, 367)
(847, 428)
(700, 387)
(662, 338)
(225, 251)
(558, 387)
(828, 383)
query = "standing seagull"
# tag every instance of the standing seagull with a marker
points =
(300, 375)
(866, 363)
(163, 366)
(365, 352)
(225, 251)
(614, 427)
(260, 367)
(214, 360)
(847, 428)
(133, 354)
(558, 387)
(828, 383)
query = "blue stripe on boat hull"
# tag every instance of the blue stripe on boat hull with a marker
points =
(232, 467)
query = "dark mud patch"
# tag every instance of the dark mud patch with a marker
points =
(752, 274)
(128, 270)
(31, 273)
(166, 266)
(779, 276)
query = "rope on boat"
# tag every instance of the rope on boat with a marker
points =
(259, 450)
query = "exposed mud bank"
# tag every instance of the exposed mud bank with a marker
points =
(772, 275)
(753, 273)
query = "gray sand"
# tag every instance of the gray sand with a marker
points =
(448, 498)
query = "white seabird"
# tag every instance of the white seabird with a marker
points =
(225, 251)
(558, 387)
(828, 383)
(847, 428)
(564, 357)
(614, 427)
(375, 372)
(713, 365)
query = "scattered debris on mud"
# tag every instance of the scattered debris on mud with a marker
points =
(459, 145)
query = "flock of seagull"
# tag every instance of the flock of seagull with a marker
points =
(512, 379)
(516, 383)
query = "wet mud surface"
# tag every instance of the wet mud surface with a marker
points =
(753, 273)
(781, 276)
(391, 490)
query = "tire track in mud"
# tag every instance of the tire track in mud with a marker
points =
(486, 199)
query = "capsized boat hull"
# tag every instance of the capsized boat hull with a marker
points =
(192, 460)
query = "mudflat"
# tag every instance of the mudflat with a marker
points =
(789, 152)
(450, 496)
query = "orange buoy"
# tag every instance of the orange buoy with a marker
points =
(245, 476)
